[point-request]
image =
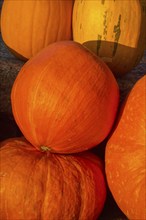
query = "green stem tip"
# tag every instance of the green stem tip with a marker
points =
(45, 149)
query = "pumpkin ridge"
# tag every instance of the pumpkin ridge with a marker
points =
(58, 30)
(46, 172)
(32, 171)
(67, 161)
(47, 25)
(32, 41)
(80, 190)
(79, 169)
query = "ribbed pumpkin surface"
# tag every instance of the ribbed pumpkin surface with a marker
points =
(42, 186)
(29, 26)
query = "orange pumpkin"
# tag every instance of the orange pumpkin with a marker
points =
(65, 99)
(36, 185)
(125, 156)
(113, 30)
(29, 26)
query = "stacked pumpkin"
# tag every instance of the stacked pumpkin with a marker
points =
(59, 105)
(65, 101)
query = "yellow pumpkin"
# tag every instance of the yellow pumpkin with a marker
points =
(114, 30)
(29, 26)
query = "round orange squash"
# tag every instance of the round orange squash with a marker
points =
(114, 30)
(36, 185)
(29, 26)
(65, 99)
(125, 156)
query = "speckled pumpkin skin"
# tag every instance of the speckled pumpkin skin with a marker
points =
(125, 156)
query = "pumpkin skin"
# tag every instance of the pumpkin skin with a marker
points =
(106, 28)
(62, 104)
(125, 157)
(29, 26)
(36, 185)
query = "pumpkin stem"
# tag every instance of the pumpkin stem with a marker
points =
(45, 149)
